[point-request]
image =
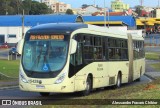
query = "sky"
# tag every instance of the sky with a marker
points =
(132, 3)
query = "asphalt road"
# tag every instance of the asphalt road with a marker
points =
(4, 53)
(15, 93)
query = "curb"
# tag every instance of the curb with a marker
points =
(1, 74)
(9, 87)
(149, 76)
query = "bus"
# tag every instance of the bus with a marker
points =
(73, 57)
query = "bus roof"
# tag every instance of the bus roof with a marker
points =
(68, 28)
(57, 28)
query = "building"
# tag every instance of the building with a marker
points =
(60, 7)
(49, 2)
(110, 14)
(76, 10)
(11, 25)
(11, 34)
(128, 21)
(89, 10)
(56, 6)
(156, 13)
(119, 6)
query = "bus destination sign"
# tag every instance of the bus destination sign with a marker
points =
(47, 37)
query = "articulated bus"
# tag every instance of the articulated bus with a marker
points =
(70, 57)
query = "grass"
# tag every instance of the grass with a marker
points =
(9, 68)
(139, 91)
(152, 56)
(156, 66)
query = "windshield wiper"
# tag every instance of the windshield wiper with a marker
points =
(37, 59)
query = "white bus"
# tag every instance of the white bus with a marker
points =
(74, 57)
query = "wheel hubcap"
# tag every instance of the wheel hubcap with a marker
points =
(87, 86)
(118, 82)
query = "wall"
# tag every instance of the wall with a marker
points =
(157, 13)
(17, 31)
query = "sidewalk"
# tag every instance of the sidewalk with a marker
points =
(8, 83)
(153, 75)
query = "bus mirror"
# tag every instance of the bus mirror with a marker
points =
(20, 46)
(73, 46)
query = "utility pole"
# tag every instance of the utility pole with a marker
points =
(6, 8)
(23, 24)
(108, 17)
(104, 13)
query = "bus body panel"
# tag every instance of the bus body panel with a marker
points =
(139, 68)
(104, 73)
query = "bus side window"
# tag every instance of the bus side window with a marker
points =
(76, 59)
(124, 53)
(79, 54)
(72, 60)
(88, 49)
(110, 53)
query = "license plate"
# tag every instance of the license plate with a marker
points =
(40, 86)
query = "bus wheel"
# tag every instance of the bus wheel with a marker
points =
(118, 82)
(88, 87)
(44, 94)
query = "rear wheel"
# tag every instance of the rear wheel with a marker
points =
(44, 94)
(118, 82)
(88, 87)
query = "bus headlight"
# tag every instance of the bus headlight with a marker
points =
(23, 78)
(60, 79)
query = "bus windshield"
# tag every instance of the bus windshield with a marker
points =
(45, 54)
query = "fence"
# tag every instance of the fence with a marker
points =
(152, 40)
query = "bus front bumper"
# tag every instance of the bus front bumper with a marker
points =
(57, 88)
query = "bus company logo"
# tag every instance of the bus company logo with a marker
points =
(6, 102)
(35, 81)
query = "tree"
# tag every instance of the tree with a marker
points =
(69, 12)
(14, 7)
(39, 8)
(138, 10)
(27, 6)
(4, 5)
(17, 6)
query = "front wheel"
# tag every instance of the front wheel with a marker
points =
(44, 94)
(88, 87)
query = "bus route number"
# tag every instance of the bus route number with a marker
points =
(47, 37)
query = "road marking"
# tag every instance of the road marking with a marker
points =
(6, 88)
